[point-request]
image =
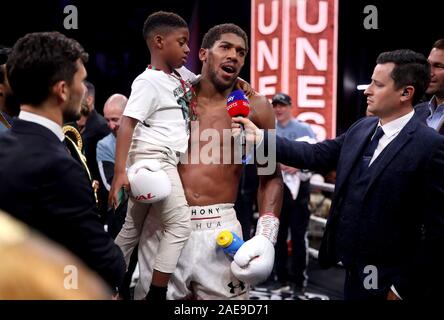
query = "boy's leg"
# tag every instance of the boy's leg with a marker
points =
(175, 219)
(148, 248)
(128, 236)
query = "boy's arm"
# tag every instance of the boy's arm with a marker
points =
(243, 85)
(124, 137)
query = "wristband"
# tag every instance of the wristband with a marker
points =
(268, 226)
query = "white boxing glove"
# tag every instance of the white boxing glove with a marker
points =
(254, 260)
(148, 182)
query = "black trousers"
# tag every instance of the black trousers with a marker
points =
(246, 199)
(295, 216)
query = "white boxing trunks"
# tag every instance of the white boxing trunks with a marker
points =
(203, 270)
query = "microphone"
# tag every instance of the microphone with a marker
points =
(239, 106)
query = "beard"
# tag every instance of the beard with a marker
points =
(219, 84)
(71, 114)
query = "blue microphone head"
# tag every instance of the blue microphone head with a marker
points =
(236, 95)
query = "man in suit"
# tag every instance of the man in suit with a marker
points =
(41, 183)
(96, 128)
(432, 112)
(386, 224)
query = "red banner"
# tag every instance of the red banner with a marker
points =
(294, 49)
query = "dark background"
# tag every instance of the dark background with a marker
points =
(112, 35)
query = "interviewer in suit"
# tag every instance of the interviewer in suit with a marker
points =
(386, 223)
(41, 183)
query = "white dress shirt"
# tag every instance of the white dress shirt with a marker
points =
(391, 131)
(45, 122)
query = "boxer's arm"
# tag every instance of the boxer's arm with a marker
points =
(254, 260)
(270, 190)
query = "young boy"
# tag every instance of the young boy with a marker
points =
(155, 126)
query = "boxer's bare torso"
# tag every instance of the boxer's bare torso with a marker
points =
(213, 183)
(207, 183)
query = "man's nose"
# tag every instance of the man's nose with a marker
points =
(232, 54)
(367, 91)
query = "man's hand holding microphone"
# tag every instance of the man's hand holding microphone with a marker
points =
(253, 135)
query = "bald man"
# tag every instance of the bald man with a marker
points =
(106, 150)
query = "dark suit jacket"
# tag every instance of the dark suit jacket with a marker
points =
(42, 185)
(404, 240)
(422, 112)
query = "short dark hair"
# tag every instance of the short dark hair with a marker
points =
(411, 68)
(38, 61)
(216, 32)
(90, 89)
(162, 22)
(439, 44)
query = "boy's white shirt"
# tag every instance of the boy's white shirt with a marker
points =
(154, 102)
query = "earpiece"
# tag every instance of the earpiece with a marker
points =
(405, 93)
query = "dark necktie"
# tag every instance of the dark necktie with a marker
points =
(371, 147)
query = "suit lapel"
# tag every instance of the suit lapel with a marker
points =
(391, 150)
(353, 149)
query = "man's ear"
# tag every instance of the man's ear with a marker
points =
(61, 91)
(203, 54)
(89, 101)
(407, 93)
